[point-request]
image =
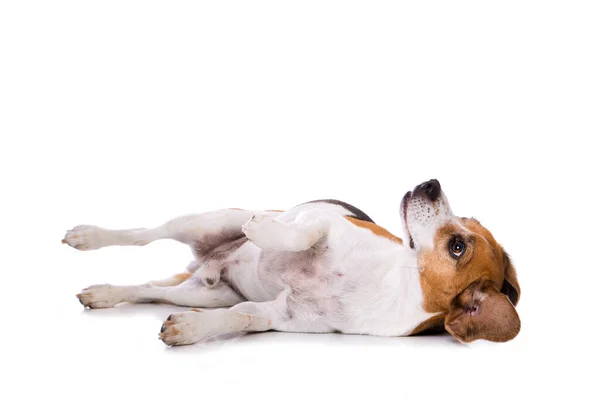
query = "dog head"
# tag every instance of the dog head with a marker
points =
(464, 272)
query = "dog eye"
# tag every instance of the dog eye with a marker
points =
(457, 247)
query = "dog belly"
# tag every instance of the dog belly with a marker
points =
(249, 275)
(260, 275)
(323, 297)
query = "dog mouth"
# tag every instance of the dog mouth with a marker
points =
(427, 197)
(405, 199)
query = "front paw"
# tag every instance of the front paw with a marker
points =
(200, 325)
(265, 232)
(182, 328)
(269, 233)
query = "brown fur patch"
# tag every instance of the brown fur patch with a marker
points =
(510, 286)
(172, 281)
(443, 277)
(432, 325)
(376, 229)
(477, 291)
(184, 276)
(481, 312)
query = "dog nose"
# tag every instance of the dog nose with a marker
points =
(431, 189)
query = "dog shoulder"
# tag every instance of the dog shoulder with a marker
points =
(374, 228)
(346, 209)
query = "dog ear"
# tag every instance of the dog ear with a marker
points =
(510, 287)
(482, 312)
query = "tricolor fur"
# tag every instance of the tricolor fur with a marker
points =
(324, 266)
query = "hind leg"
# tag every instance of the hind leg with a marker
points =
(191, 229)
(173, 280)
(190, 293)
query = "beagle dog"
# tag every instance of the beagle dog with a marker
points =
(324, 266)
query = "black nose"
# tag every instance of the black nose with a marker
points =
(431, 189)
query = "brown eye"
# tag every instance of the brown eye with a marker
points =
(457, 247)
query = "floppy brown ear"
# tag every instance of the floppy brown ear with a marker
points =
(510, 287)
(482, 312)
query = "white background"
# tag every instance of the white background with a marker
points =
(127, 113)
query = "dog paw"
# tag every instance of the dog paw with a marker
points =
(101, 296)
(182, 328)
(200, 325)
(269, 233)
(265, 232)
(85, 237)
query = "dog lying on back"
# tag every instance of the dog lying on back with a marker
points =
(324, 266)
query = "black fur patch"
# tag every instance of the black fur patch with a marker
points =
(355, 212)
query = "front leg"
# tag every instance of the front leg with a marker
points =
(268, 232)
(200, 325)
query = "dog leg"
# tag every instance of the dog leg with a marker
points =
(199, 325)
(270, 233)
(189, 229)
(189, 294)
(177, 278)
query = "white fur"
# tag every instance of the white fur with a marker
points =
(271, 233)
(423, 218)
(307, 270)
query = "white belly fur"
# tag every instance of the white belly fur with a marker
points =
(355, 282)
